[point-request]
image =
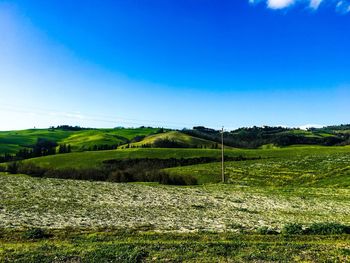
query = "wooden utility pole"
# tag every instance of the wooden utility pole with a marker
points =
(222, 155)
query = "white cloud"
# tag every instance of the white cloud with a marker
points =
(279, 4)
(341, 6)
(314, 4)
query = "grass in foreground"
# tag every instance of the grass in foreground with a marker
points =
(55, 203)
(108, 245)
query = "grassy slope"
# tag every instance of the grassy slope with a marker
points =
(12, 141)
(178, 137)
(311, 134)
(94, 159)
(87, 139)
(283, 188)
(291, 166)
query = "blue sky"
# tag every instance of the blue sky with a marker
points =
(174, 63)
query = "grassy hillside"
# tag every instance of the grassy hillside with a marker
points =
(293, 187)
(95, 158)
(177, 137)
(286, 167)
(83, 221)
(87, 139)
(12, 141)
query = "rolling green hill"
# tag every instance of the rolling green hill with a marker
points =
(84, 139)
(255, 137)
(95, 158)
(12, 141)
(178, 138)
(92, 139)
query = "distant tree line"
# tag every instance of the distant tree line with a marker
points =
(68, 128)
(255, 137)
(42, 147)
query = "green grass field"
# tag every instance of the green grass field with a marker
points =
(300, 166)
(110, 222)
(57, 203)
(90, 221)
(95, 158)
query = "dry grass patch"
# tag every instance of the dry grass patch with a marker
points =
(53, 203)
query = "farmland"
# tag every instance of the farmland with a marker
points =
(150, 212)
(272, 198)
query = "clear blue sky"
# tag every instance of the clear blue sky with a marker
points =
(174, 63)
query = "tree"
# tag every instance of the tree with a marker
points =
(44, 147)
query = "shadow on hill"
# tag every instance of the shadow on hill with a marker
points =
(125, 170)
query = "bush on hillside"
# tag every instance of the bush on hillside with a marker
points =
(172, 179)
(135, 175)
(169, 143)
(12, 168)
(139, 172)
(292, 229)
(34, 233)
(31, 169)
(328, 229)
(77, 174)
(2, 168)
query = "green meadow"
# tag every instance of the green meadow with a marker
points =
(279, 204)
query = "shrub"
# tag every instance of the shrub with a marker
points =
(177, 179)
(120, 177)
(130, 170)
(31, 169)
(77, 174)
(292, 229)
(328, 229)
(2, 168)
(169, 143)
(12, 168)
(34, 233)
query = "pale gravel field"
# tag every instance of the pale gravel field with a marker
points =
(53, 203)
